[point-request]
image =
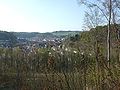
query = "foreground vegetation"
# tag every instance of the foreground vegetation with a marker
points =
(89, 61)
(79, 64)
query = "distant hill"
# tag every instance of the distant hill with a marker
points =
(7, 36)
(25, 34)
(65, 33)
(7, 39)
(48, 35)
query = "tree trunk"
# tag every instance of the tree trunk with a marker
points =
(108, 36)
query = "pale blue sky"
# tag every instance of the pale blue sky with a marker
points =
(40, 15)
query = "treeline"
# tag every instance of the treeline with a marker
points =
(96, 38)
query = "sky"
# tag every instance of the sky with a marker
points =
(40, 15)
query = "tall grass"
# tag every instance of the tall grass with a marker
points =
(61, 69)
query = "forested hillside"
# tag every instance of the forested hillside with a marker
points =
(7, 38)
(47, 35)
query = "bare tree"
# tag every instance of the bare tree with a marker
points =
(110, 12)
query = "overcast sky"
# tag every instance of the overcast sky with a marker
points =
(40, 15)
